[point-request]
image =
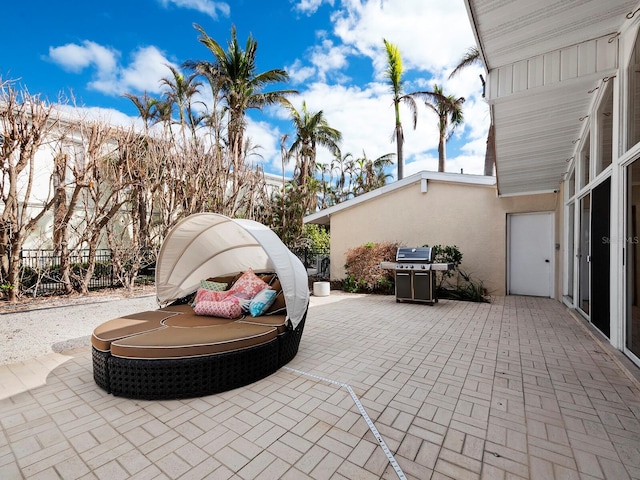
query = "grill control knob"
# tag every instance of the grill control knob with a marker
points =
(423, 267)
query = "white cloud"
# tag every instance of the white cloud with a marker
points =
(310, 7)
(266, 142)
(75, 58)
(147, 67)
(469, 164)
(431, 34)
(329, 59)
(213, 9)
(298, 73)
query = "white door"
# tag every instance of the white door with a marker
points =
(530, 254)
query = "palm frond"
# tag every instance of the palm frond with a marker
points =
(471, 57)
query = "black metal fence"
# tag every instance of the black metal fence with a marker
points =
(315, 261)
(40, 271)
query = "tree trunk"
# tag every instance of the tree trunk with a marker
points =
(490, 155)
(441, 153)
(399, 145)
(91, 266)
(65, 266)
(13, 275)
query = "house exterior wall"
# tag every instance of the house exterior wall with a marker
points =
(472, 217)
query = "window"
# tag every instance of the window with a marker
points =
(572, 183)
(605, 129)
(585, 162)
(633, 98)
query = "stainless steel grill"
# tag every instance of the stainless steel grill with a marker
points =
(415, 274)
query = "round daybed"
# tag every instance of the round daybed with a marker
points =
(179, 352)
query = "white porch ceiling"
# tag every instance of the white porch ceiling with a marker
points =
(544, 59)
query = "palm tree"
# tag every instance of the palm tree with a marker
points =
(147, 108)
(449, 112)
(312, 130)
(394, 73)
(376, 175)
(470, 58)
(371, 174)
(342, 164)
(233, 76)
(181, 90)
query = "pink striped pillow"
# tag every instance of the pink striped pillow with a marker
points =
(228, 308)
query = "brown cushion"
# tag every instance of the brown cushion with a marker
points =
(277, 321)
(175, 342)
(184, 308)
(126, 326)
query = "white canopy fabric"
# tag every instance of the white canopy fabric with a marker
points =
(207, 245)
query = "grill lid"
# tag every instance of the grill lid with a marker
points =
(419, 254)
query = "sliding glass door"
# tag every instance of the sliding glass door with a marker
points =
(632, 261)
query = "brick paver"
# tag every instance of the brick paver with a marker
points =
(515, 389)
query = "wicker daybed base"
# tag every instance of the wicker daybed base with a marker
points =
(172, 378)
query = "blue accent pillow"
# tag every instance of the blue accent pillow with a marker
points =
(262, 301)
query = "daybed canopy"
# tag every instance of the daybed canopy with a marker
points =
(207, 245)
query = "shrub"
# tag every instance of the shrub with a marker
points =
(28, 277)
(317, 237)
(363, 268)
(446, 254)
(467, 289)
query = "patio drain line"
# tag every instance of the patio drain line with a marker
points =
(364, 414)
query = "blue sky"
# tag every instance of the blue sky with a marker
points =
(333, 51)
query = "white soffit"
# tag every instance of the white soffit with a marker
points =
(512, 30)
(544, 59)
(536, 135)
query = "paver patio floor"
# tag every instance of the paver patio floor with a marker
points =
(515, 389)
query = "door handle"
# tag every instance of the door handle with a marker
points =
(546, 260)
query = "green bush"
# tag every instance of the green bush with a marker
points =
(317, 237)
(5, 288)
(349, 284)
(446, 254)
